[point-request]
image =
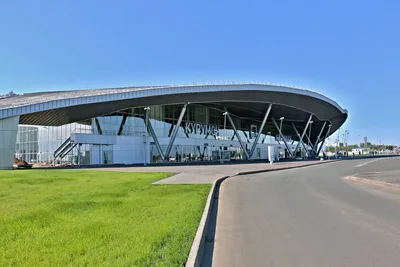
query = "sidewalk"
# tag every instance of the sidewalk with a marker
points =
(207, 174)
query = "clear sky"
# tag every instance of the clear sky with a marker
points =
(348, 50)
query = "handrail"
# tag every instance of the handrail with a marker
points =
(68, 149)
(62, 146)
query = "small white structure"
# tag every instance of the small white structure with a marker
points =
(360, 151)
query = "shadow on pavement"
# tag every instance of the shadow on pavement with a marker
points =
(210, 238)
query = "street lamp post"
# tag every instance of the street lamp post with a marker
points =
(48, 144)
(347, 138)
(309, 135)
(336, 145)
(280, 127)
(225, 114)
(146, 110)
(344, 144)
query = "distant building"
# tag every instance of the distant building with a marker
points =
(360, 150)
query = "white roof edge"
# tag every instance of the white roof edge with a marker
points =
(102, 95)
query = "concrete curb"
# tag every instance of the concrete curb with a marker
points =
(371, 182)
(285, 168)
(198, 245)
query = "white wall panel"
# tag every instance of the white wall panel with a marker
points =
(8, 137)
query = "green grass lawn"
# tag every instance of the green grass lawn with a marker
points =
(95, 218)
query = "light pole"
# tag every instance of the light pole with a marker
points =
(346, 145)
(48, 143)
(146, 110)
(309, 135)
(225, 114)
(269, 133)
(280, 127)
(336, 145)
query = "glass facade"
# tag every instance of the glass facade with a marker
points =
(37, 144)
(198, 122)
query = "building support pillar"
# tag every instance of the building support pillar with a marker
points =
(304, 132)
(323, 140)
(317, 141)
(237, 134)
(98, 126)
(253, 148)
(302, 143)
(151, 132)
(175, 131)
(8, 139)
(283, 139)
(121, 126)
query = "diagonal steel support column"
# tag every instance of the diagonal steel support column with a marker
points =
(309, 142)
(318, 137)
(253, 148)
(308, 139)
(281, 135)
(297, 132)
(121, 126)
(304, 132)
(175, 131)
(151, 132)
(237, 134)
(323, 140)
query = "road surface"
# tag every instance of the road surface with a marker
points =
(309, 217)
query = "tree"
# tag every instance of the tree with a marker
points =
(350, 147)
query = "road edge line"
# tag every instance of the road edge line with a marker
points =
(371, 182)
(198, 246)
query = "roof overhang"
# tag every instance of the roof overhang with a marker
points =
(242, 100)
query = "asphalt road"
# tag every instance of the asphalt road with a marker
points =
(309, 217)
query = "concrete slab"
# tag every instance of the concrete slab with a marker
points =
(207, 174)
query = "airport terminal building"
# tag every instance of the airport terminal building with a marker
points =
(165, 124)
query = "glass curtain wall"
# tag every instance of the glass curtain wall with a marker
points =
(36, 144)
(199, 122)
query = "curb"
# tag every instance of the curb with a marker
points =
(285, 168)
(371, 182)
(198, 245)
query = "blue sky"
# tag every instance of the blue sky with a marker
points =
(348, 50)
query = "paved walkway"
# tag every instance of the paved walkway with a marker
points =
(207, 174)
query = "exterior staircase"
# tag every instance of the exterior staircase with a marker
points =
(64, 149)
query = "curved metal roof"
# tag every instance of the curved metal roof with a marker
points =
(242, 100)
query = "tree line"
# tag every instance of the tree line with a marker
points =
(373, 147)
